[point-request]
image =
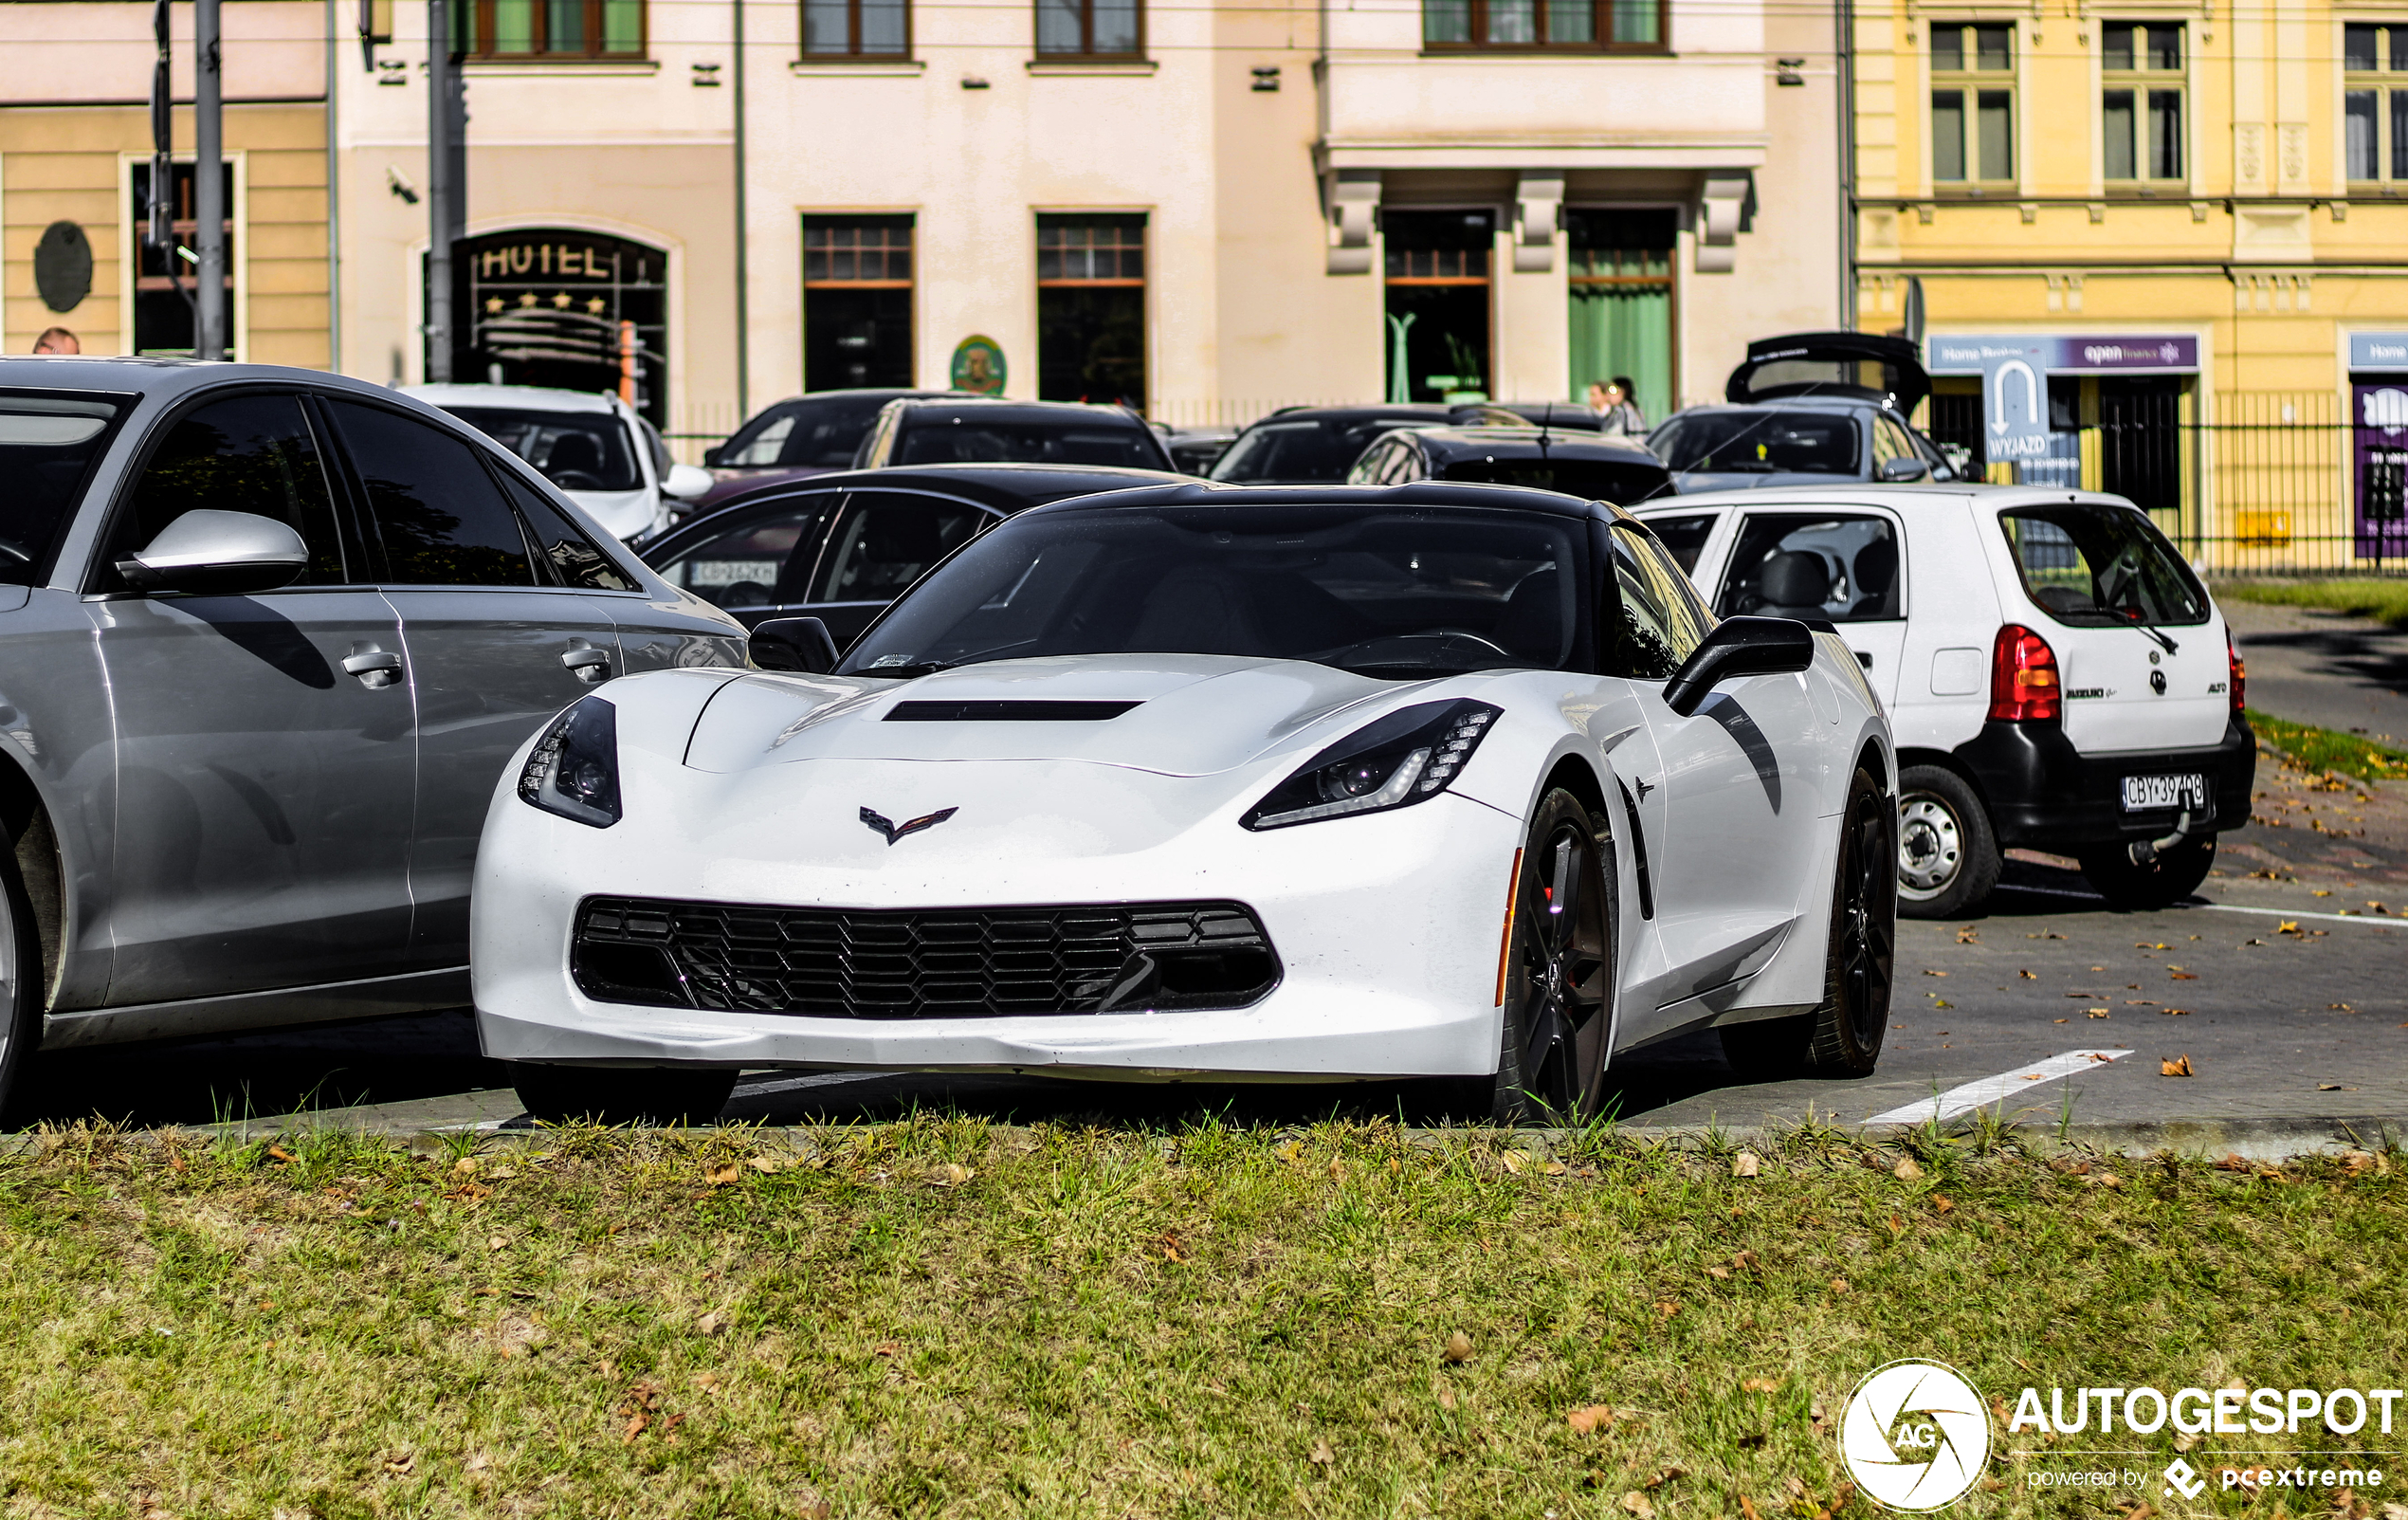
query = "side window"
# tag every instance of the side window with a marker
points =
(440, 515)
(1889, 443)
(575, 560)
(1375, 467)
(1795, 564)
(659, 447)
(246, 453)
(1685, 537)
(1662, 620)
(744, 563)
(885, 540)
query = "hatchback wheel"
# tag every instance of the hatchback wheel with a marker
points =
(1947, 857)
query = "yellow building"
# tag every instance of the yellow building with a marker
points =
(2192, 214)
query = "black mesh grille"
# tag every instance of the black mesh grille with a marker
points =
(923, 963)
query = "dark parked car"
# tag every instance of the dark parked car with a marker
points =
(1807, 409)
(840, 547)
(1563, 415)
(800, 436)
(1193, 450)
(1316, 446)
(1589, 465)
(974, 430)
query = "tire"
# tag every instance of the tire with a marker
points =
(1843, 1036)
(23, 985)
(1947, 852)
(622, 1095)
(1559, 976)
(2172, 876)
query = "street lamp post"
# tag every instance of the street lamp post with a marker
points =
(446, 182)
(209, 186)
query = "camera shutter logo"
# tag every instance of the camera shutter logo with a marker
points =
(1915, 1435)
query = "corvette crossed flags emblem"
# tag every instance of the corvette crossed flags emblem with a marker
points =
(894, 831)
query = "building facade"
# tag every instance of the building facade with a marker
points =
(2189, 216)
(1203, 210)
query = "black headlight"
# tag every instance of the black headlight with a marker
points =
(1405, 757)
(574, 770)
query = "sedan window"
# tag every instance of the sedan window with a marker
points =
(744, 563)
(575, 560)
(1595, 479)
(1304, 451)
(938, 439)
(442, 520)
(576, 451)
(48, 445)
(813, 432)
(1662, 620)
(1840, 568)
(246, 453)
(887, 539)
(1684, 536)
(1765, 443)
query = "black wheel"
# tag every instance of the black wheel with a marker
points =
(23, 986)
(1559, 976)
(1947, 855)
(2175, 873)
(622, 1095)
(1843, 1036)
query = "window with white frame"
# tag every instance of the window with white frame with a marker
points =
(1973, 103)
(2140, 105)
(2374, 60)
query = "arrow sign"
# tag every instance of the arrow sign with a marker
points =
(2015, 400)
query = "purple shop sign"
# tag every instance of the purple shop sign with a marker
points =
(2378, 437)
(2069, 356)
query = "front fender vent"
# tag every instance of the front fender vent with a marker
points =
(922, 963)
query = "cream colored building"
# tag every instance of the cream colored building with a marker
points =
(1207, 209)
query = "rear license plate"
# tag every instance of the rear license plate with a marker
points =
(2162, 794)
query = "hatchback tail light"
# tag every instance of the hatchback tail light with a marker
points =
(2023, 678)
(2240, 673)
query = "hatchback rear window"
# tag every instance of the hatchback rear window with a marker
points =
(2096, 566)
(48, 444)
(1305, 452)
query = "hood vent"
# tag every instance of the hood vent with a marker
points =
(1006, 712)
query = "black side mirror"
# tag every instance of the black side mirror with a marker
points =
(1898, 470)
(710, 456)
(797, 644)
(1739, 646)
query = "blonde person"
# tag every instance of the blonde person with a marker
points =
(57, 340)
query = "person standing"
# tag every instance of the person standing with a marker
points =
(1617, 413)
(57, 340)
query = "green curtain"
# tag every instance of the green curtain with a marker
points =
(1625, 330)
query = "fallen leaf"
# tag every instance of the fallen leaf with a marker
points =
(955, 1174)
(1458, 1346)
(464, 1165)
(2186, 976)
(1639, 1503)
(1747, 1508)
(1590, 1418)
(1760, 1385)
(2108, 1179)
(1514, 1160)
(1718, 1273)
(809, 1506)
(2174, 1013)
(2331, 1087)
(1944, 1205)
(1289, 1151)
(1840, 1284)
(1906, 1171)
(1745, 1163)
(2052, 1021)
(708, 1381)
(2180, 1065)
(402, 1465)
(2357, 1161)
(1445, 1398)
(1322, 1456)
(1935, 973)
(2288, 927)
(278, 1154)
(721, 1176)
(763, 1164)
(2096, 1013)
(1666, 1308)
(887, 1348)
(1665, 1475)
(1968, 935)
(712, 1323)
(2100, 1057)
(1942, 1002)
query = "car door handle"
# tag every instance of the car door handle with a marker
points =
(375, 667)
(1865, 658)
(588, 664)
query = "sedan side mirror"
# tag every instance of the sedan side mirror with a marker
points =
(210, 553)
(686, 481)
(798, 644)
(711, 456)
(1894, 470)
(1738, 647)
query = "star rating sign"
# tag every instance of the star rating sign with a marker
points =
(561, 300)
(596, 305)
(493, 305)
(526, 299)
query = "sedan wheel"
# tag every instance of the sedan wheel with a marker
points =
(1560, 973)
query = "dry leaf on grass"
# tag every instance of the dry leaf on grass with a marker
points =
(712, 1323)
(1761, 1384)
(1666, 1307)
(722, 1176)
(2179, 1066)
(1906, 1171)
(809, 1506)
(1718, 1273)
(1746, 1164)
(1322, 1456)
(1590, 1418)
(1446, 1398)
(402, 1465)
(1747, 1508)
(1514, 1160)
(1840, 1284)
(953, 1174)
(1639, 1503)
(1665, 1475)
(1458, 1346)
(887, 1348)
(1942, 1204)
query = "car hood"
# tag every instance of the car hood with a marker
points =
(1192, 714)
(622, 514)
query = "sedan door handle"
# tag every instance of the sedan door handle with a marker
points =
(376, 669)
(588, 664)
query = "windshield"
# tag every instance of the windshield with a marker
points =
(1764, 443)
(1405, 594)
(1621, 482)
(813, 432)
(2095, 566)
(576, 451)
(47, 447)
(947, 438)
(1309, 452)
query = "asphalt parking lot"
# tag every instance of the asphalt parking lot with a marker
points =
(2279, 989)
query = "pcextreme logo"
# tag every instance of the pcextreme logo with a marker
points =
(1915, 1435)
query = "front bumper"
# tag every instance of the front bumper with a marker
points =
(1386, 926)
(2046, 794)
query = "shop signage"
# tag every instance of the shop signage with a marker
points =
(2378, 351)
(977, 366)
(2058, 354)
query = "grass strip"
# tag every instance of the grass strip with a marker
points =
(2311, 748)
(2387, 600)
(939, 1317)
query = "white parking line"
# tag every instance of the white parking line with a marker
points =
(1993, 1089)
(2293, 912)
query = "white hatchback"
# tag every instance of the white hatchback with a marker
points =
(2058, 677)
(591, 444)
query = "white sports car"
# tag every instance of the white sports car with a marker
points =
(1211, 783)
